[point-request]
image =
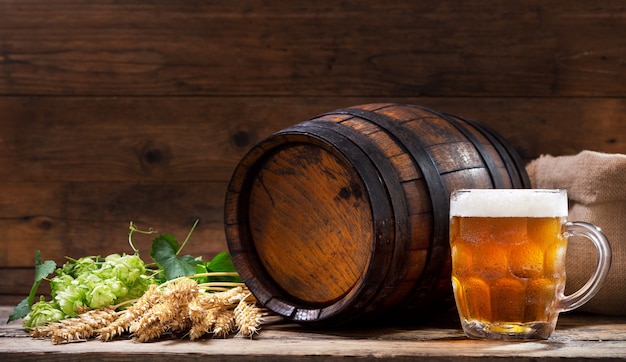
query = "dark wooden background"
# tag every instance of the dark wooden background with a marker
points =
(118, 111)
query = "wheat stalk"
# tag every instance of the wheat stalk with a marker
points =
(248, 318)
(79, 328)
(136, 310)
(177, 306)
(224, 324)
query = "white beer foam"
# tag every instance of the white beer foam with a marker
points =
(509, 203)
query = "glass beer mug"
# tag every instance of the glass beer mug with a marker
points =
(508, 261)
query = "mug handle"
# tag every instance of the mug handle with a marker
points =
(593, 285)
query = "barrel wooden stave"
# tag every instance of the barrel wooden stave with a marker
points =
(411, 159)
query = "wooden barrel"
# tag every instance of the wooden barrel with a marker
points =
(344, 217)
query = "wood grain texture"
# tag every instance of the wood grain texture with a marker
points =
(333, 228)
(108, 161)
(258, 47)
(577, 337)
(79, 219)
(184, 139)
(139, 110)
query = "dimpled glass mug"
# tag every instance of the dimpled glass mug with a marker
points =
(508, 261)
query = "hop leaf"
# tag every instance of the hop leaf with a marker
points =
(222, 262)
(164, 252)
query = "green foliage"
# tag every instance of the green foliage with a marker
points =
(164, 252)
(221, 263)
(41, 272)
(90, 282)
(94, 282)
(41, 313)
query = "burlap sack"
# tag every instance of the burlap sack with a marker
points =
(596, 186)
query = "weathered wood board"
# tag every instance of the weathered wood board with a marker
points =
(578, 337)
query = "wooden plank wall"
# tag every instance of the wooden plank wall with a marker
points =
(118, 111)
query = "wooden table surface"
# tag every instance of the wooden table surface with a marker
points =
(578, 336)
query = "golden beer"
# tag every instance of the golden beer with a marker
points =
(507, 271)
(508, 261)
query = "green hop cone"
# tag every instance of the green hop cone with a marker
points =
(117, 287)
(96, 292)
(60, 283)
(42, 313)
(138, 288)
(80, 266)
(70, 299)
(126, 268)
(100, 296)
